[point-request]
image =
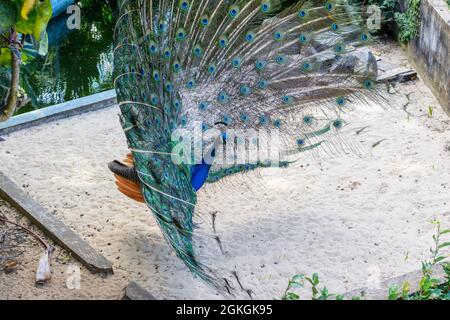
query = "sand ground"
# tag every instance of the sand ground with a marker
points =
(18, 282)
(349, 218)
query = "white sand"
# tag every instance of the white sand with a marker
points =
(341, 217)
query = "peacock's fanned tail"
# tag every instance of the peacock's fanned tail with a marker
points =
(290, 66)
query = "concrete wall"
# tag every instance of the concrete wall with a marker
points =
(430, 51)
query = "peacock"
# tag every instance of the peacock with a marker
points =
(286, 70)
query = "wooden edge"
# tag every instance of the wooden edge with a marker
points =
(135, 292)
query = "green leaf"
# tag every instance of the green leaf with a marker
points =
(315, 279)
(425, 284)
(325, 294)
(8, 16)
(5, 57)
(405, 289)
(291, 296)
(26, 8)
(394, 293)
(339, 297)
(435, 293)
(298, 277)
(439, 259)
(36, 20)
(445, 231)
(443, 245)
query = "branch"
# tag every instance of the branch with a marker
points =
(9, 108)
(27, 230)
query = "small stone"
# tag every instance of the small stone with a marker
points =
(9, 266)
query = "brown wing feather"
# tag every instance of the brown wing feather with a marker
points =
(127, 187)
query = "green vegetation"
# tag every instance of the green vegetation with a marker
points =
(298, 281)
(429, 286)
(20, 20)
(409, 21)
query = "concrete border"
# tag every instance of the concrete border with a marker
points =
(135, 292)
(53, 227)
(430, 50)
(67, 109)
(413, 278)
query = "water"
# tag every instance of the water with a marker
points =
(79, 62)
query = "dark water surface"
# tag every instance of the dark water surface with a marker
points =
(79, 62)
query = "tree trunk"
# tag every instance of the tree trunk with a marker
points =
(9, 108)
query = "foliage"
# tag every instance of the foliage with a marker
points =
(298, 281)
(409, 21)
(28, 17)
(429, 287)
(25, 17)
(20, 20)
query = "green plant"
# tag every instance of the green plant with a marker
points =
(298, 281)
(408, 22)
(429, 287)
(20, 20)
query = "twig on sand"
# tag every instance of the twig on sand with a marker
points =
(361, 130)
(43, 272)
(27, 230)
(377, 143)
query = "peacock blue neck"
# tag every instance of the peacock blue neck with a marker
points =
(200, 172)
(199, 175)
